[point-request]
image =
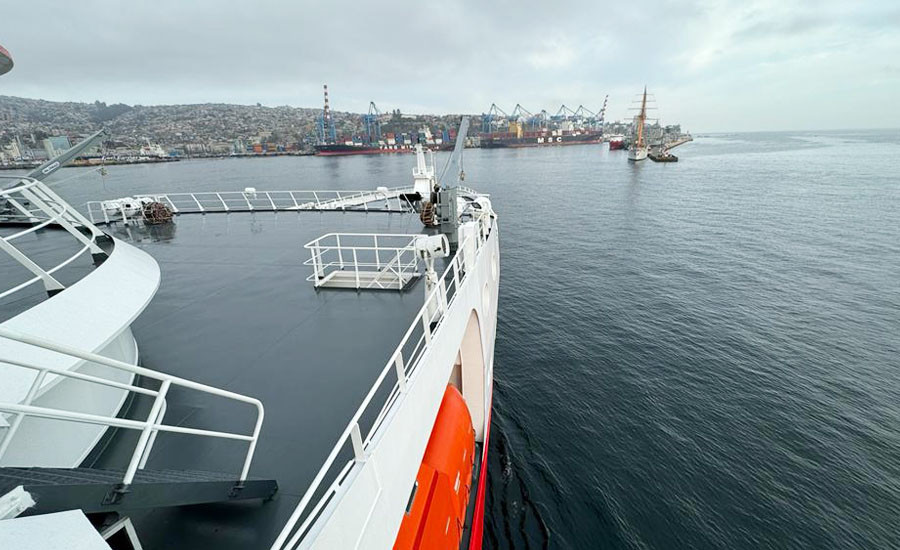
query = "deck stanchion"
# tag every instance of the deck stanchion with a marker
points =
(356, 438)
(199, 206)
(426, 325)
(32, 391)
(377, 259)
(401, 371)
(145, 433)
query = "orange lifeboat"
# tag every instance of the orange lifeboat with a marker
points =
(437, 505)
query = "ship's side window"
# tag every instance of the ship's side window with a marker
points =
(412, 497)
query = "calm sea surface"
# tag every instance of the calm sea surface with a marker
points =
(694, 355)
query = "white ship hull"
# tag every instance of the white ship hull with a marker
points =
(368, 507)
(637, 154)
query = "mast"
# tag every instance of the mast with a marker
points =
(641, 118)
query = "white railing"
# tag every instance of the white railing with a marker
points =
(469, 191)
(363, 260)
(378, 200)
(400, 369)
(148, 427)
(33, 202)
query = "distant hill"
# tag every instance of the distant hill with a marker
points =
(131, 125)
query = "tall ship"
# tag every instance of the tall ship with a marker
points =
(174, 373)
(639, 149)
(523, 128)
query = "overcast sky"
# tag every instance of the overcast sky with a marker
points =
(713, 66)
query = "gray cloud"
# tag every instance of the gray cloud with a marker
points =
(713, 65)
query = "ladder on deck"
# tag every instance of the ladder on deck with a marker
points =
(94, 491)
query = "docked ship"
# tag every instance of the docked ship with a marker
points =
(152, 151)
(329, 144)
(616, 142)
(639, 148)
(351, 148)
(174, 375)
(542, 138)
(522, 128)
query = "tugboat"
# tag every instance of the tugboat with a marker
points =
(616, 142)
(662, 155)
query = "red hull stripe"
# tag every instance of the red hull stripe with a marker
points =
(478, 517)
(363, 152)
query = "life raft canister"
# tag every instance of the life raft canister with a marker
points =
(436, 510)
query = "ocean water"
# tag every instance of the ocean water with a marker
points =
(695, 355)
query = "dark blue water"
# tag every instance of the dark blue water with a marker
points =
(694, 355)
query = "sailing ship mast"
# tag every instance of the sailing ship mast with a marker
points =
(641, 118)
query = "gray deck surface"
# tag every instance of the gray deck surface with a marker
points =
(234, 311)
(47, 248)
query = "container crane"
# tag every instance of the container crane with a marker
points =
(373, 123)
(602, 118)
(564, 113)
(494, 119)
(583, 116)
(522, 114)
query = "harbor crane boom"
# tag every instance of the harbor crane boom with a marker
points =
(373, 123)
(564, 113)
(494, 118)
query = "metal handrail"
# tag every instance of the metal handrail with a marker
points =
(149, 427)
(49, 209)
(391, 263)
(284, 200)
(430, 315)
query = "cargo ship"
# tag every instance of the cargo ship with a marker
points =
(391, 143)
(335, 149)
(540, 138)
(374, 143)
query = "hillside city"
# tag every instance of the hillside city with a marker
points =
(33, 130)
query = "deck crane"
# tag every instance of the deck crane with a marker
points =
(494, 119)
(373, 123)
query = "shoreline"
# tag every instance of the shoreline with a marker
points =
(96, 162)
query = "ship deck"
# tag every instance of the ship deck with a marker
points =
(49, 247)
(234, 310)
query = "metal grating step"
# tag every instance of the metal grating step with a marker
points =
(93, 490)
